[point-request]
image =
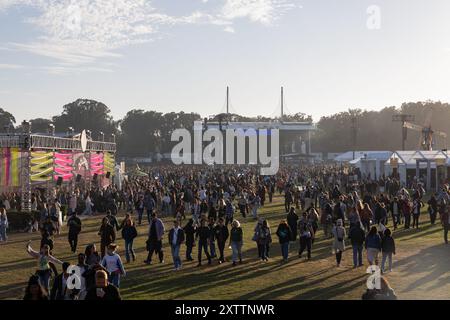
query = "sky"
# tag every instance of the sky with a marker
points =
(179, 55)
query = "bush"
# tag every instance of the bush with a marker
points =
(19, 220)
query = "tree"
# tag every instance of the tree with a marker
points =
(140, 133)
(40, 125)
(86, 114)
(6, 119)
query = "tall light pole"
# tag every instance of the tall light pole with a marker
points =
(403, 118)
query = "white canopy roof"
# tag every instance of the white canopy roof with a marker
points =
(410, 158)
(374, 155)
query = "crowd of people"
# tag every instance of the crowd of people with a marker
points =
(206, 204)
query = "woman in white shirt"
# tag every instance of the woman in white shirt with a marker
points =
(113, 264)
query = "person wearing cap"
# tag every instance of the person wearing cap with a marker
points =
(113, 264)
(103, 290)
(176, 238)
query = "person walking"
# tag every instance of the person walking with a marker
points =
(263, 239)
(395, 209)
(236, 241)
(357, 236)
(306, 235)
(113, 264)
(3, 225)
(433, 209)
(417, 205)
(366, 216)
(176, 238)
(129, 233)
(373, 245)
(339, 240)
(154, 241)
(107, 235)
(189, 231)
(444, 213)
(74, 224)
(292, 220)
(387, 250)
(221, 233)
(203, 235)
(284, 234)
(406, 211)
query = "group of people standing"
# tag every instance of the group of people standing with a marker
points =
(203, 206)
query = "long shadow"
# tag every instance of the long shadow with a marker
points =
(432, 260)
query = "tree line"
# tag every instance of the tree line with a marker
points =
(144, 132)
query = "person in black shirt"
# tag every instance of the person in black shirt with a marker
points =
(74, 224)
(221, 234)
(189, 231)
(203, 234)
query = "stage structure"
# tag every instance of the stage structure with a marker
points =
(295, 137)
(30, 160)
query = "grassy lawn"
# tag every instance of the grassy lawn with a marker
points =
(420, 267)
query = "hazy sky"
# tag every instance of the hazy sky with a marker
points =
(173, 55)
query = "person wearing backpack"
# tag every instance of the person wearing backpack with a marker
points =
(306, 235)
(263, 239)
(387, 249)
(357, 237)
(284, 234)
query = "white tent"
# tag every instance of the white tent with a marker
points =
(408, 163)
(370, 163)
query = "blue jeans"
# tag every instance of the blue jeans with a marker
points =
(212, 248)
(386, 256)
(114, 279)
(285, 249)
(357, 255)
(3, 236)
(236, 247)
(176, 255)
(140, 213)
(129, 249)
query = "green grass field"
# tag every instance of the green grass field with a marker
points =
(421, 267)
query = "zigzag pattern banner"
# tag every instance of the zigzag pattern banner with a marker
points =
(41, 166)
(63, 166)
(109, 162)
(97, 163)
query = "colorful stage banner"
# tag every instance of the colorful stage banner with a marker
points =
(41, 166)
(10, 167)
(63, 165)
(97, 163)
(81, 164)
(109, 163)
